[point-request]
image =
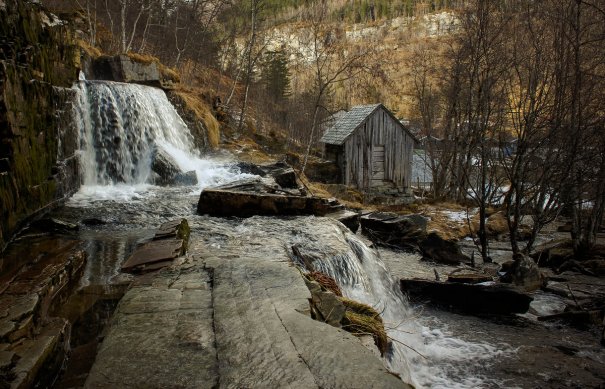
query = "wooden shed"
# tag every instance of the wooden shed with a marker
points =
(372, 149)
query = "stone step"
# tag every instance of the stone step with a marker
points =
(37, 359)
(39, 288)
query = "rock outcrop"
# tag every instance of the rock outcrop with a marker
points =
(39, 61)
(131, 68)
(276, 191)
(409, 232)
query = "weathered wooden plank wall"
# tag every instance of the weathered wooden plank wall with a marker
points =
(378, 131)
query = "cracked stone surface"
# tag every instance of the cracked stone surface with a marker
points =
(234, 317)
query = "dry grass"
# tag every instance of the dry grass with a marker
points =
(248, 151)
(361, 319)
(92, 51)
(326, 282)
(203, 113)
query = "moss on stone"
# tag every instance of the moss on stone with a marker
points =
(40, 57)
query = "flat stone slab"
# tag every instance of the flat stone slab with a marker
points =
(239, 202)
(161, 335)
(152, 252)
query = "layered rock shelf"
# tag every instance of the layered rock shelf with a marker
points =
(231, 318)
(32, 338)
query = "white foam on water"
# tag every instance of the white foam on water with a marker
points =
(424, 354)
(122, 126)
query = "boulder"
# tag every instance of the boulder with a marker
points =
(130, 68)
(168, 172)
(553, 254)
(248, 168)
(326, 307)
(164, 166)
(187, 178)
(437, 249)
(349, 218)
(390, 229)
(498, 298)
(525, 274)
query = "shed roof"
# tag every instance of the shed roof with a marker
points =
(346, 123)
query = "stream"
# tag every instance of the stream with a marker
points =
(117, 208)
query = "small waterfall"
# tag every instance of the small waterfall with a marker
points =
(122, 128)
(421, 355)
(121, 124)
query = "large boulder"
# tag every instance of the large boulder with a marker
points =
(167, 171)
(525, 274)
(390, 229)
(132, 68)
(435, 248)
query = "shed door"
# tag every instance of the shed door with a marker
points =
(377, 165)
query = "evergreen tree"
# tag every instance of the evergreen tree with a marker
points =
(275, 75)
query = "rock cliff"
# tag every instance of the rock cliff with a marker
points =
(39, 61)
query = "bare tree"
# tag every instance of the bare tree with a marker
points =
(331, 64)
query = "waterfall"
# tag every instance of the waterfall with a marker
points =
(121, 124)
(423, 355)
(123, 127)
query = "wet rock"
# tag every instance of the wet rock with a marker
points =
(553, 254)
(525, 274)
(93, 221)
(37, 360)
(249, 168)
(435, 248)
(161, 252)
(581, 319)
(38, 287)
(603, 333)
(252, 197)
(53, 225)
(169, 243)
(470, 298)
(187, 178)
(161, 335)
(165, 167)
(404, 232)
(349, 218)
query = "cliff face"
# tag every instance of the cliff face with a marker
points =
(39, 61)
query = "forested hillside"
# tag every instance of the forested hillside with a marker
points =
(480, 75)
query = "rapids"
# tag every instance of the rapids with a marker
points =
(121, 124)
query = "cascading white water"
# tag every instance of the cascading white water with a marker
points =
(421, 355)
(121, 127)
(122, 123)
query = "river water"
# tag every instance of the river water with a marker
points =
(117, 208)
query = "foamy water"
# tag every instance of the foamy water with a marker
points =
(121, 127)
